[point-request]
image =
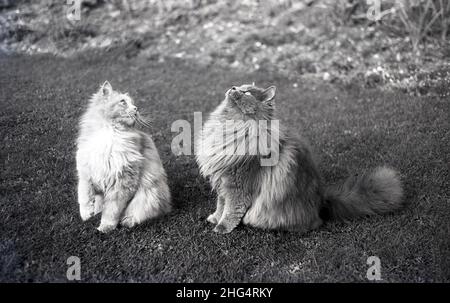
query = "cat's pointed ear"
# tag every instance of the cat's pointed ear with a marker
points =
(106, 89)
(268, 95)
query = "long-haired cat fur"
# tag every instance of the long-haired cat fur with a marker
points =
(120, 173)
(290, 194)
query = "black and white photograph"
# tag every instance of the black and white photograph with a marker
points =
(256, 142)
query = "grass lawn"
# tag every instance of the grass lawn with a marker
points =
(351, 128)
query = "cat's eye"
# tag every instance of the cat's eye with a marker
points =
(123, 102)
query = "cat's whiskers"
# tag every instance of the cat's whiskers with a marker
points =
(143, 121)
(137, 118)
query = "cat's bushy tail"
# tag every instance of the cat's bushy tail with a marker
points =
(376, 192)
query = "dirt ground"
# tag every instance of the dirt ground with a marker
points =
(310, 39)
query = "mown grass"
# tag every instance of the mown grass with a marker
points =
(351, 129)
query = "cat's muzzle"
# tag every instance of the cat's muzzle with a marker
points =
(234, 93)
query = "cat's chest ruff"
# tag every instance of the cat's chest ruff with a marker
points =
(106, 152)
(99, 144)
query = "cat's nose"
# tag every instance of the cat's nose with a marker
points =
(134, 108)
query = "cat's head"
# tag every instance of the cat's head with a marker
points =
(251, 101)
(114, 106)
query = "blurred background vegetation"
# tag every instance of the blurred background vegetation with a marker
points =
(393, 44)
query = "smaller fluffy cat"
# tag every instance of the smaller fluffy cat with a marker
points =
(120, 173)
(288, 194)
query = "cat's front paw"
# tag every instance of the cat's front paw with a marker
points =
(223, 228)
(86, 212)
(105, 228)
(212, 219)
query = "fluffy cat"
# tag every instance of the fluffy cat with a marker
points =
(120, 173)
(289, 194)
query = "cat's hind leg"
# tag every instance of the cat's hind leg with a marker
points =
(215, 217)
(148, 203)
(85, 198)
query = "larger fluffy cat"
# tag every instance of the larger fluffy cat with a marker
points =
(120, 173)
(286, 195)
